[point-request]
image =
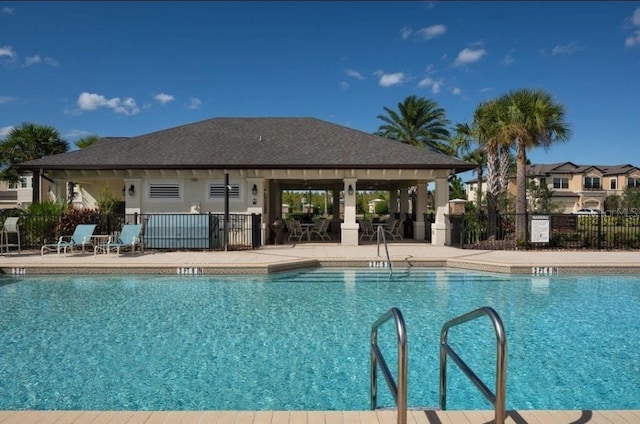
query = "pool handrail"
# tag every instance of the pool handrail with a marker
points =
(399, 391)
(498, 400)
(379, 231)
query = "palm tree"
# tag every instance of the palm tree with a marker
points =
(531, 119)
(463, 143)
(87, 141)
(28, 142)
(418, 122)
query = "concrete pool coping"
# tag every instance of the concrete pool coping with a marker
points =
(269, 259)
(275, 258)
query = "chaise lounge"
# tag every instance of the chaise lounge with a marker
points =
(129, 238)
(81, 237)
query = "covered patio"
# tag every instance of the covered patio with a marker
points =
(187, 168)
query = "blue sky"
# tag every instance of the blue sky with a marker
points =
(130, 68)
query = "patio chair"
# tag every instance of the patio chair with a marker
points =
(10, 227)
(394, 229)
(81, 237)
(320, 229)
(367, 229)
(297, 231)
(130, 237)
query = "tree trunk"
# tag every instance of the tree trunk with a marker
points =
(492, 191)
(521, 193)
(479, 195)
(504, 168)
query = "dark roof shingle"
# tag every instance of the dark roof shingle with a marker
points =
(250, 143)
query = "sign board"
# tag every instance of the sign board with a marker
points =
(540, 228)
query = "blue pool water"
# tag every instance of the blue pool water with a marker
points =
(300, 340)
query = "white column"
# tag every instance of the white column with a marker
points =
(441, 199)
(349, 228)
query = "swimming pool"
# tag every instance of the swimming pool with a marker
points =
(300, 340)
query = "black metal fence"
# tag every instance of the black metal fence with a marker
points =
(159, 231)
(607, 231)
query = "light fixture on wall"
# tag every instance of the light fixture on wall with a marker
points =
(254, 190)
(350, 190)
(132, 190)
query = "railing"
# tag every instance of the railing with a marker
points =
(379, 235)
(399, 390)
(160, 231)
(497, 399)
(609, 230)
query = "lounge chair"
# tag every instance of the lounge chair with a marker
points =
(130, 236)
(10, 227)
(81, 237)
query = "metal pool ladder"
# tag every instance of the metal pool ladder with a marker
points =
(399, 391)
(497, 399)
(379, 235)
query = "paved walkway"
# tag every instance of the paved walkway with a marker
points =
(289, 256)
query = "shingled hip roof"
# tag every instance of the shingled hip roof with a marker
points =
(275, 143)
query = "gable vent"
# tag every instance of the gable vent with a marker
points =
(216, 191)
(164, 191)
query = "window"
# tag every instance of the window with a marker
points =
(613, 184)
(592, 183)
(164, 191)
(23, 183)
(561, 183)
(543, 181)
(633, 182)
(216, 191)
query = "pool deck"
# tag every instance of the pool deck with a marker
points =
(274, 258)
(304, 255)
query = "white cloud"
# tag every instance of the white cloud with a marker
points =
(634, 40)
(353, 74)
(91, 101)
(344, 85)
(7, 51)
(387, 80)
(508, 60)
(163, 98)
(4, 131)
(39, 59)
(456, 91)
(77, 133)
(8, 10)
(635, 18)
(194, 103)
(434, 85)
(32, 60)
(567, 49)
(469, 56)
(6, 99)
(431, 32)
(406, 32)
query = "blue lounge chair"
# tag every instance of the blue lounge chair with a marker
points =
(129, 237)
(81, 237)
